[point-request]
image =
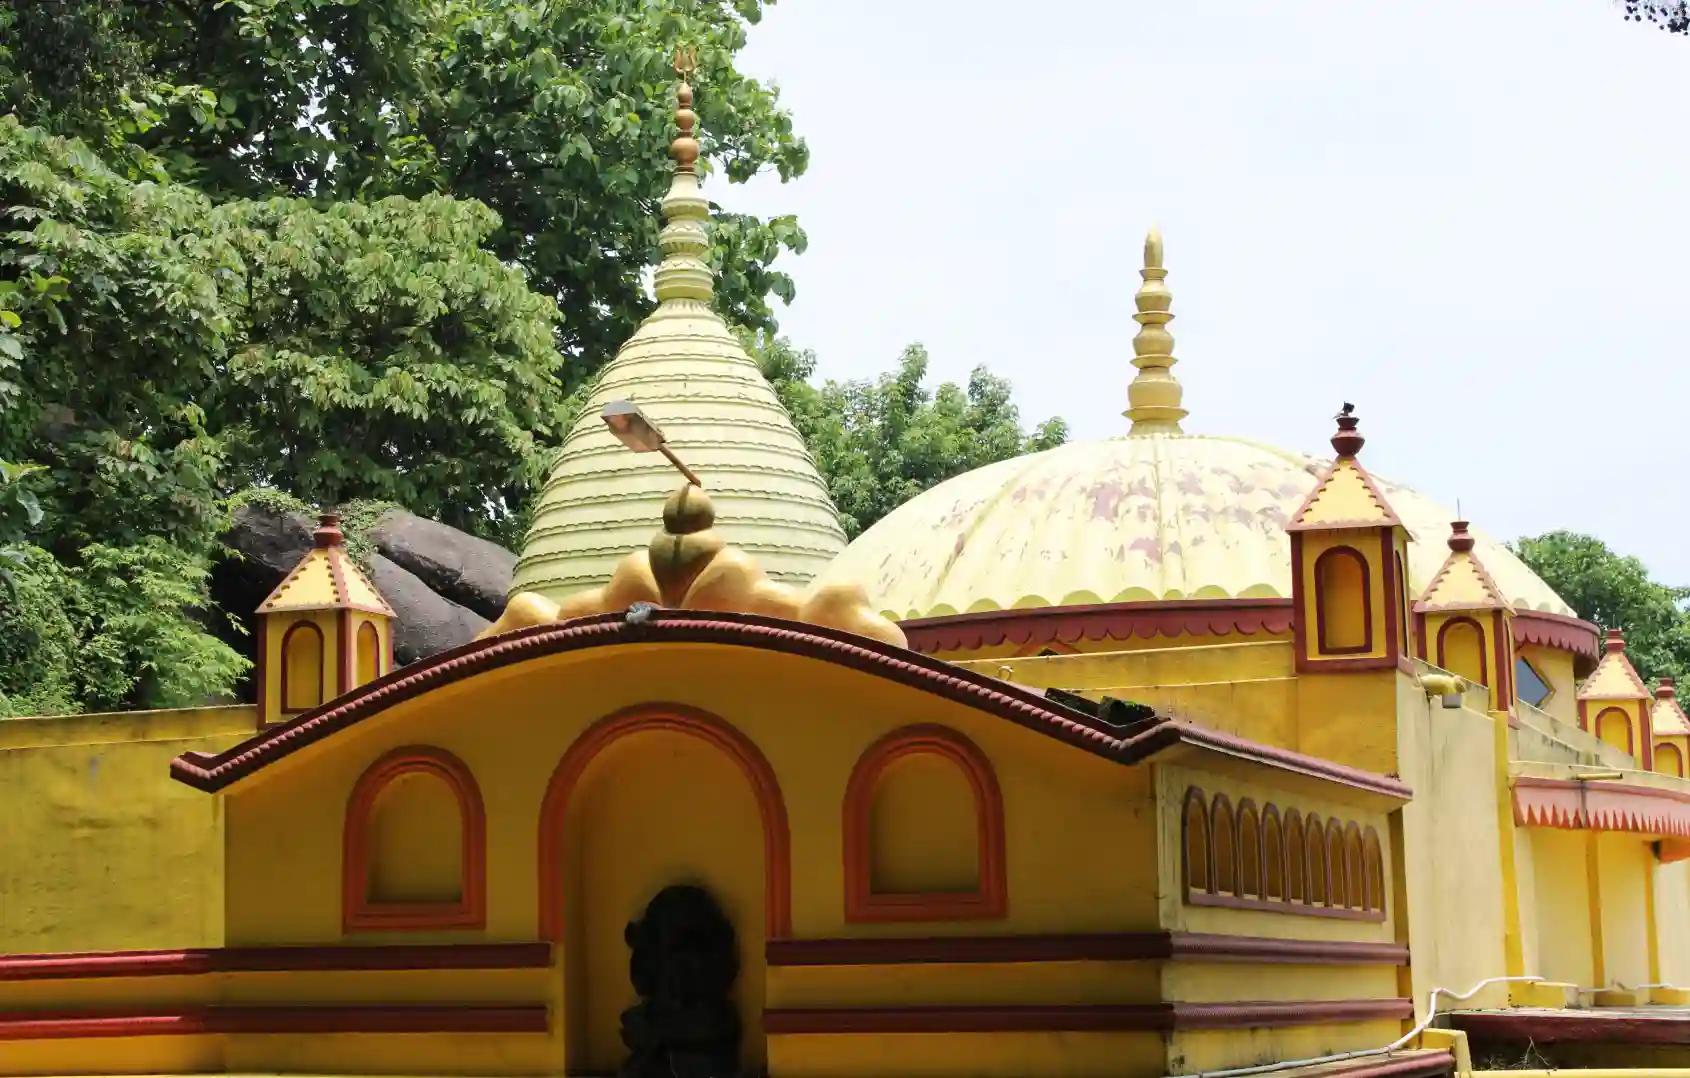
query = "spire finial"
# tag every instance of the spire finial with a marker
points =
(1154, 395)
(1347, 442)
(684, 149)
(684, 274)
(1460, 539)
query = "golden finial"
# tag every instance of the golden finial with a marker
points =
(685, 147)
(1154, 395)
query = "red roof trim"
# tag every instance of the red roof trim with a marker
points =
(189, 1021)
(1557, 631)
(1601, 806)
(1587, 1026)
(1019, 705)
(1159, 1017)
(1083, 947)
(73, 965)
(1116, 621)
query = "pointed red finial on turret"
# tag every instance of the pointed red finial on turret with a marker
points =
(1667, 689)
(1615, 643)
(1348, 441)
(328, 531)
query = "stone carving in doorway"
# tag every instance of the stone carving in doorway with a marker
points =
(683, 964)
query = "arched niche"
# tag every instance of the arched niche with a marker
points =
(1461, 650)
(303, 685)
(414, 847)
(1613, 726)
(1343, 602)
(656, 795)
(370, 653)
(923, 830)
(1668, 759)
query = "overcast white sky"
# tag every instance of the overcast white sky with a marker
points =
(1469, 217)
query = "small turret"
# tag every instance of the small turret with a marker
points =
(1348, 566)
(1671, 730)
(1464, 625)
(1614, 705)
(324, 631)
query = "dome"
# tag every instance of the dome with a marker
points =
(1146, 517)
(690, 376)
(1156, 515)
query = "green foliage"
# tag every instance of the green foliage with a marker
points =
(554, 115)
(119, 629)
(880, 443)
(1616, 592)
(373, 350)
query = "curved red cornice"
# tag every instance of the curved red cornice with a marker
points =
(1557, 631)
(1019, 705)
(1116, 621)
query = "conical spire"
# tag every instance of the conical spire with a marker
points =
(1154, 395)
(686, 370)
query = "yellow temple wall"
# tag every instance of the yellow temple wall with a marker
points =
(1452, 844)
(1625, 862)
(1563, 944)
(101, 850)
(1672, 926)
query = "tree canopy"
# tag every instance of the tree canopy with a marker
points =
(1616, 592)
(359, 251)
(880, 443)
(1673, 16)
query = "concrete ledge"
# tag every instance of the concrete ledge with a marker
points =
(1554, 995)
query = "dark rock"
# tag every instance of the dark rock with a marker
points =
(427, 622)
(469, 571)
(267, 543)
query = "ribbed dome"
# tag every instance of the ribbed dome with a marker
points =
(690, 376)
(1157, 516)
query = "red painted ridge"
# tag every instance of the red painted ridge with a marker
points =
(195, 961)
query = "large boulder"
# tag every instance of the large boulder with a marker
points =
(469, 571)
(428, 622)
(439, 581)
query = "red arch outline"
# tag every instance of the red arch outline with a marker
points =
(677, 718)
(358, 913)
(1479, 630)
(991, 900)
(322, 667)
(1326, 558)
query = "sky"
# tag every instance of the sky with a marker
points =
(1468, 217)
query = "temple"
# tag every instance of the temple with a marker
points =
(1168, 754)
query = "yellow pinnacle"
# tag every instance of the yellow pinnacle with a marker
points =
(1154, 395)
(684, 275)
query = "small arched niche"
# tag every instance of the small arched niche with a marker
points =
(923, 825)
(302, 667)
(1613, 726)
(1461, 650)
(1668, 760)
(369, 653)
(414, 847)
(1343, 602)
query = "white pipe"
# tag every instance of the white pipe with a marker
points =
(1431, 1013)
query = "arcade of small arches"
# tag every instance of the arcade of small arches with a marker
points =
(1263, 858)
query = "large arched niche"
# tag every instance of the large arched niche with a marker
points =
(651, 796)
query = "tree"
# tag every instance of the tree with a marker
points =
(1673, 16)
(359, 349)
(553, 115)
(880, 443)
(1616, 592)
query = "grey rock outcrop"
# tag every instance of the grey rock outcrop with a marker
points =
(428, 622)
(471, 572)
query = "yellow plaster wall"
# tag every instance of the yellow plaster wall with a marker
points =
(99, 849)
(1080, 831)
(1672, 921)
(986, 1055)
(1625, 863)
(1366, 543)
(1563, 944)
(1452, 845)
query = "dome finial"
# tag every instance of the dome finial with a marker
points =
(684, 274)
(1154, 395)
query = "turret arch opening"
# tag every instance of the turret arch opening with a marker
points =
(1343, 602)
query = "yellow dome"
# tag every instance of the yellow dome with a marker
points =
(689, 374)
(1144, 517)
